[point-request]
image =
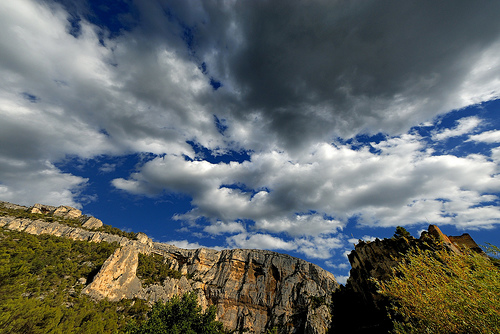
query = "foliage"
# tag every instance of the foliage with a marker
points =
(401, 232)
(116, 231)
(494, 253)
(41, 277)
(274, 330)
(176, 316)
(153, 270)
(444, 292)
(317, 301)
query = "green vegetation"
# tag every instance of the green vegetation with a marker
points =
(401, 232)
(317, 301)
(443, 292)
(19, 213)
(41, 277)
(153, 270)
(116, 231)
(178, 316)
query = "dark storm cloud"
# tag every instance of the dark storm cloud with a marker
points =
(86, 81)
(359, 62)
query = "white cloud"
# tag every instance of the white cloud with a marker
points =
(259, 241)
(465, 126)
(220, 228)
(107, 168)
(300, 224)
(27, 183)
(337, 266)
(366, 238)
(143, 92)
(403, 183)
(312, 247)
(492, 136)
(185, 244)
(342, 279)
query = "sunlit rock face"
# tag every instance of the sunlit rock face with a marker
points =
(254, 290)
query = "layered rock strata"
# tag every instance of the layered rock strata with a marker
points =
(254, 290)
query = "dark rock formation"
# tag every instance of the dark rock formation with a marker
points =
(375, 260)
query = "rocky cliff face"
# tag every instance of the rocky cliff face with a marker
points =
(253, 290)
(375, 260)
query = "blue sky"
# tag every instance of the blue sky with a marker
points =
(293, 126)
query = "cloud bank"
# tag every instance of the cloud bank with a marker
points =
(291, 84)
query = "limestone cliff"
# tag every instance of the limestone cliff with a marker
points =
(253, 290)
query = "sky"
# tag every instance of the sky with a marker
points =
(295, 126)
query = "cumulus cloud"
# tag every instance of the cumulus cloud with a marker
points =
(401, 182)
(312, 247)
(297, 79)
(185, 244)
(341, 279)
(27, 183)
(220, 228)
(490, 137)
(354, 241)
(465, 126)
(314, 67)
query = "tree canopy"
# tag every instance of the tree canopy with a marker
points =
(443, 292)
(179, 315)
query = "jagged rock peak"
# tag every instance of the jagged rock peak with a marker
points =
(375, 260)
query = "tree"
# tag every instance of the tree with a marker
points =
(179, 315)
(444, 292)
(401, 232)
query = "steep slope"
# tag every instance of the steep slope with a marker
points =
(253, 290)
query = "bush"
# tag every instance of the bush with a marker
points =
(40, 285)
(178, 316)
(401, 232)
(444, 292)
(153, 270)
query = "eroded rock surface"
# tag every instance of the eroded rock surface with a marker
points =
(253, 290)
(117, 278)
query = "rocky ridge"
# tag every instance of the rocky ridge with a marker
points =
(375, 260)
(254, 290)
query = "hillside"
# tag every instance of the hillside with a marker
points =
(253, 290)
(64, 272)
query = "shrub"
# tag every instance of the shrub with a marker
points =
(444, 292)
(153, 270)
(179, 315)
(401, 232)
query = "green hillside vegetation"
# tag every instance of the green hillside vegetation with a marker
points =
(41, 277)
(443, 292)
(179, 315)
(152, 269)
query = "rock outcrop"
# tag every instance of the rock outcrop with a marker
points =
(254, 290)
(117, 278)
(375, 260)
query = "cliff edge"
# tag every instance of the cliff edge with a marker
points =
(254, 290)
